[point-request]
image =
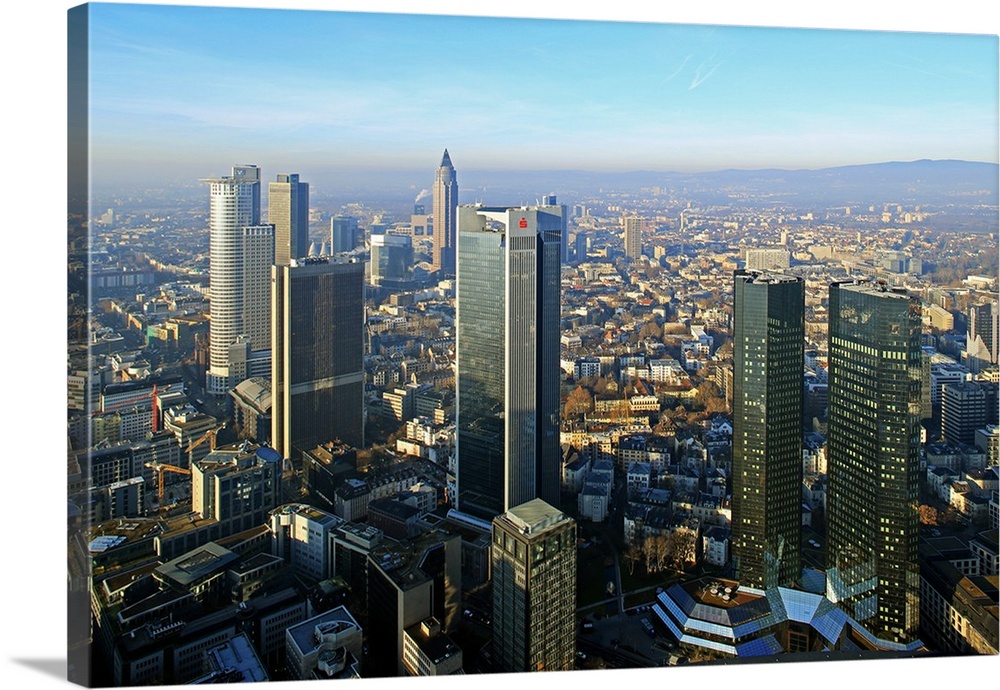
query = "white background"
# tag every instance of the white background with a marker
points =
(33, 383)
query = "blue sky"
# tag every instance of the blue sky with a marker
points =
(202, 86)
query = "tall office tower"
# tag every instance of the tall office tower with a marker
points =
(445, 195)
(288, 212)
(534, 589)
(581, 243)
(242, 252)
(768, 343)
(963, 410)
(317, 371)
(507, 358)
(633, 236)
(343, 234)
(873, 457)
(550, 203)
(391, 260)
(982, 339)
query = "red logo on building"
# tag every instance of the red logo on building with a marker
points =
(523, 223)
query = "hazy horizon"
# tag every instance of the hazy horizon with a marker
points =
(181, 92)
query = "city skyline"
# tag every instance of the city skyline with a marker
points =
(35, 653)
(633, 95)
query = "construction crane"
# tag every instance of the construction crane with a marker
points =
(160, 468)
(208, 435)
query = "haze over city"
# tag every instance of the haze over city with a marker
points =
(173, 93)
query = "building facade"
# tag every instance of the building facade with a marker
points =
(633, 236)
(768, 343)
(242, 251)
(343, 234)
(317, 374)
(766, 259)
(508, 358)
(982, 338)
(445, 207)
(288, 212)
(534, 589)
(873, 457)
(391, 260)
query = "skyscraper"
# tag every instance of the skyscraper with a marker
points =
(534, 589)
(288, 212)
(343, 234)
(633, 236)
(963, 410)
(242, 251)
(391, 260)
(508, 358)
(872, 457)
(445, 194)
(768, 341)
(551, 204)
(982, 339)
(317, 378)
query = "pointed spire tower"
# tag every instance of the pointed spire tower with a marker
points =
(445, 207)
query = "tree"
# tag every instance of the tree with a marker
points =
(579, 401)
(662, 551)
(681, 548)
(649, 553)
(928, 515)
(651, 330)
(632, 554)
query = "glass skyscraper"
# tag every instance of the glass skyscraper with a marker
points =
(873, 457)
(768, 343)
(508, 358)
(288, 212)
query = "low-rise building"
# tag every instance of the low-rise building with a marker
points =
(325, 647)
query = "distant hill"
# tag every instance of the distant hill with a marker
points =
(925, 182)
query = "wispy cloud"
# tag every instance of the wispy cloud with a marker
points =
(678, 70)
(705, 70)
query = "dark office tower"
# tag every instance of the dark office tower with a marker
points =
(288, 212)
(508, 358)
(982, 338)
(873, 442)
(551, 204)
(963, 410)
(768, 342)
(317, 372)
(445, 205)
(533, 558)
